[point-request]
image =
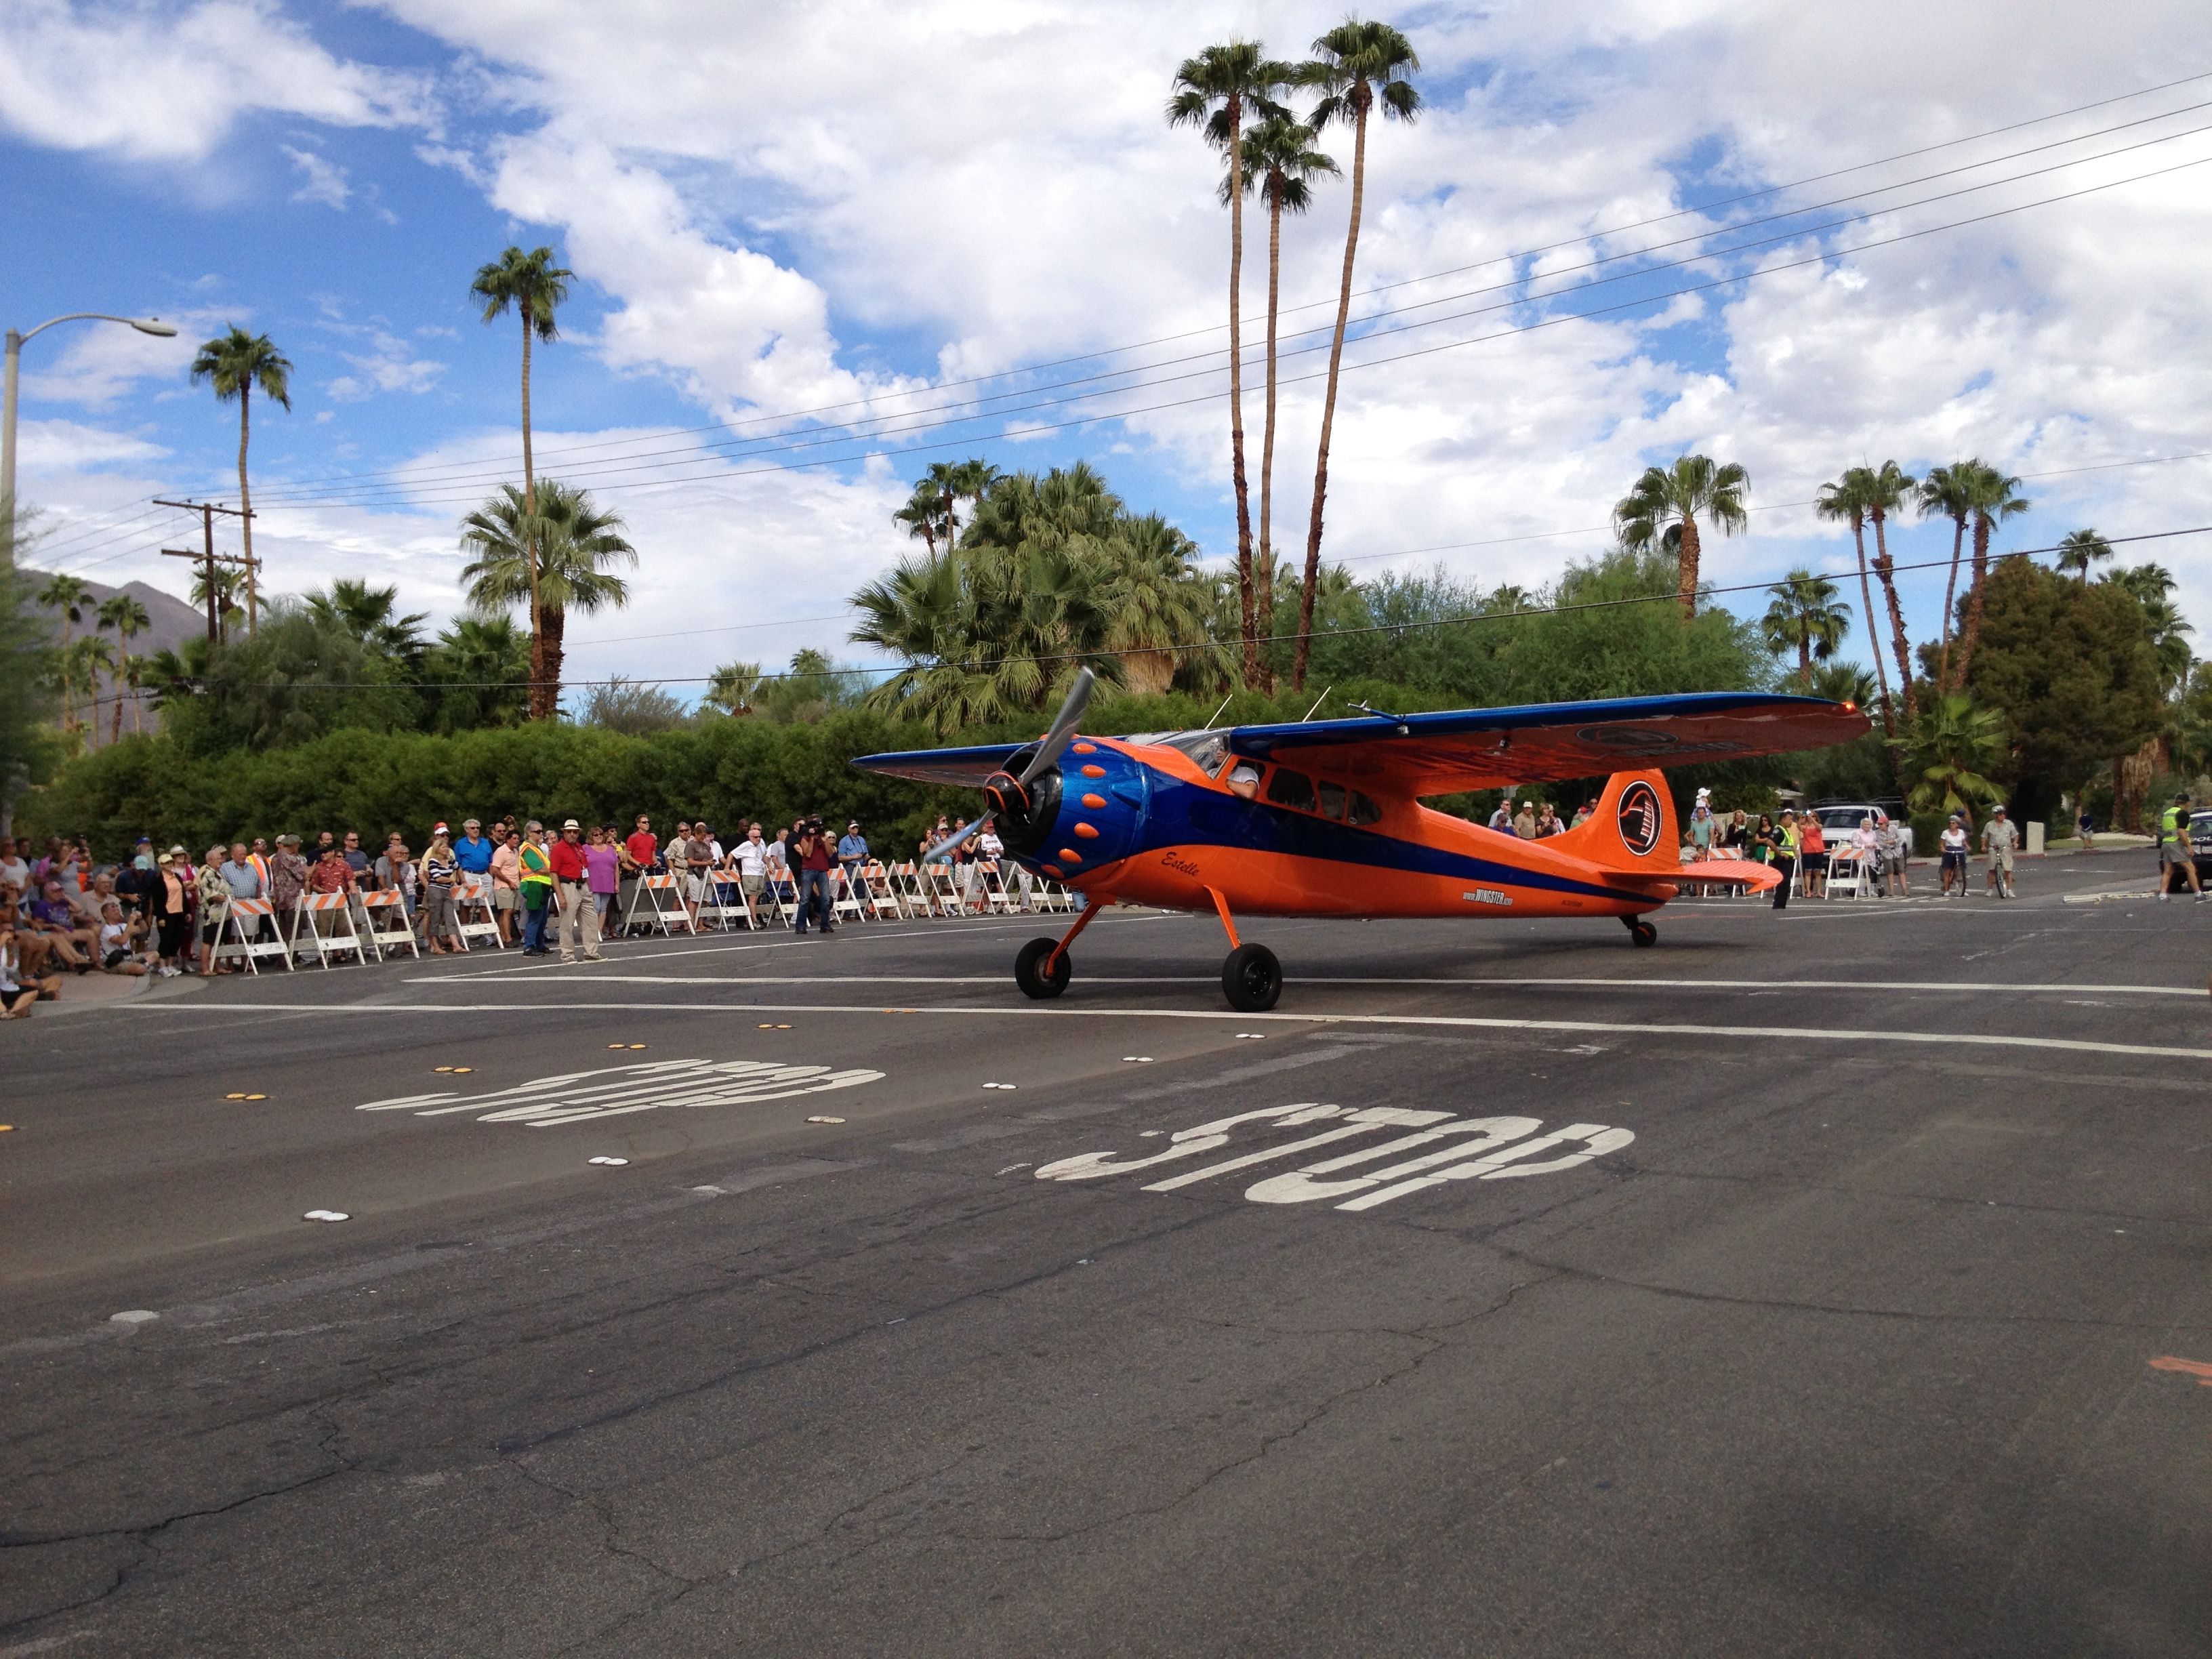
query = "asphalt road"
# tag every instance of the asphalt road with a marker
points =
(1850, 1307)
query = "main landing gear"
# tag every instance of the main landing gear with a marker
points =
(1252, 979)
(1641, 930)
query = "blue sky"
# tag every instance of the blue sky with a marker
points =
(772, 212)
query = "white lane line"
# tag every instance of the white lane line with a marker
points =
(1959, 987)
(1758, 1033)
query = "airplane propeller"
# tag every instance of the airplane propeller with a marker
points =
(1055, 742)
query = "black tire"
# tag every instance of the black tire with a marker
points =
(1643, 934)
(1252, 979)
(1029, 970)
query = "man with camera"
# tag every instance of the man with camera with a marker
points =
(813, 858)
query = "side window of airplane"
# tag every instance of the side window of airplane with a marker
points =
(1363, 811)
(1292, 789)
(1332, 800)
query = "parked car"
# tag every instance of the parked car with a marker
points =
(1839, 820)
(2200, 843)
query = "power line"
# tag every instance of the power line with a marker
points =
(1038, 428)
(342, 480)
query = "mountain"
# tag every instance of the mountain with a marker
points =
(171, 620)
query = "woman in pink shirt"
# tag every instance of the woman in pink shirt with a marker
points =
(505, 880)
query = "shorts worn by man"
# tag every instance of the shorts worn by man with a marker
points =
(2176, 851)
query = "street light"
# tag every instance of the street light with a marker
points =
(153, 325)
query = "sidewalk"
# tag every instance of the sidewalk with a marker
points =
(83, 993)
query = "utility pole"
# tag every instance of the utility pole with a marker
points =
(207, 510)
(209, 559)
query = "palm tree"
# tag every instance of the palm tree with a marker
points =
(1843, 502)
(370, 615)
(1882, 490)
(552, 558)
(87, 660)
(968, 481)
(480, 668)
(67, 594)
(2080, 549)
(1159, 603)
(1356, 65)
(733, 687)
(1211, 92)
(132, 671)
(234, 363)
(1279, 153)
(2169, 642)
(1946, 491)
(225, 585)
(1662, 509)
(1994, 497)
(123, 614)
(927, 515)
(1806, 617)
(1948, 753)
(535, 287)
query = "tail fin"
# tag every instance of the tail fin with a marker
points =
(1634, 828)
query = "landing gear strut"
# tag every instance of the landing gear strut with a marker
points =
(1251, 978)
(1642, 932)
(1043, 968)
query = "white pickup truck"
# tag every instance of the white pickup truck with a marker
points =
(1838, 824)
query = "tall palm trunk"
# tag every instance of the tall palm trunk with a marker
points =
(1266, 575)
(1945, 684)
(1247, 589)
(1361, 98)
(1970, 631)
(1688, 551)
(115, 726)
(541, 705)
(1866, 598)
(1884, 568)
(550, 656)
(245, 513)
(1804, 658)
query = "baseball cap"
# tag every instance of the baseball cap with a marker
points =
(854, 824)
(144, 840)
(1996, 811)
(439, 830)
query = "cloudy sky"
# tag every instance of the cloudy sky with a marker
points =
(1923, 233)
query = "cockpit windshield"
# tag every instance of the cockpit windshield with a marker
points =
(1207, 749)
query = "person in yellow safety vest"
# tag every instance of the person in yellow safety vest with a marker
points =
(2175, 851)
(1785, 857)
(537, 889)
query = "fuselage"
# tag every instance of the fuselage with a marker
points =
(1159, 823)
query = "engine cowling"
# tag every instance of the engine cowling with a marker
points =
(1074, 817)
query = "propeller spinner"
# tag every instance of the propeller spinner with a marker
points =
(1028, 801)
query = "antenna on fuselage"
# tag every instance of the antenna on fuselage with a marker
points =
(1216, 715)
(1318, 701)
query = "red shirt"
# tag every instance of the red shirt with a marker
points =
(567, 858)
(642, 846)
(817, 856)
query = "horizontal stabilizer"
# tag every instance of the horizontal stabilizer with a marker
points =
(1713, 872)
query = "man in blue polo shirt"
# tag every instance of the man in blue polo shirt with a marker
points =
(473, 852)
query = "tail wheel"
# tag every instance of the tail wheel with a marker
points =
(1252, 979)
(1037, 981)
(1642, 932)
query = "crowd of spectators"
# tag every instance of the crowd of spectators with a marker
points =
(163, 913)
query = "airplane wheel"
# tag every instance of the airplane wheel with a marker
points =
(1643, 932)
(1029, 970)
(1252, 978)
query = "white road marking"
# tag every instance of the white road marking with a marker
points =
(577, 1096)
(1500, 1150)
(1463, 1021)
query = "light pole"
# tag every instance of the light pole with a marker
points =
(144, 325)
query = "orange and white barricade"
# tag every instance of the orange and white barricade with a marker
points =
(944, 887)
(475, 917)
(386, 923)
(661, 897)
(323, 927)
(917, 888)
(1051, 896)
(850, 899)
(240, 937)
(781, 891)
(880, 893)
(722, 900)
(991, 886)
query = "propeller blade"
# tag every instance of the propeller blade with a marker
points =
(952, 844)
(1063, 725)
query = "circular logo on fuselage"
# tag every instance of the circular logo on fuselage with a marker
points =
(1639, 818)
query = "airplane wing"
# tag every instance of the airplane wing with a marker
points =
(1482, 748)
(971, 767)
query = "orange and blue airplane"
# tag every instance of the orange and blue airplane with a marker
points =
(1323, 818)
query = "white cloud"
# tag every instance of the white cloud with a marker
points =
(153, 84)
(91, 364)
(320, 179)
(44, 448)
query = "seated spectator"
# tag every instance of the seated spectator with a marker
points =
(118, 951)
(52, 921)
(20, 986)
(93, 902)
(15, 869)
